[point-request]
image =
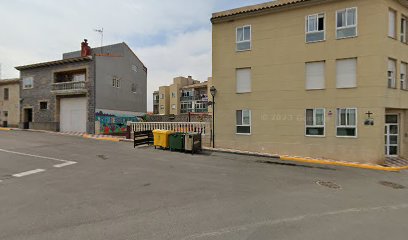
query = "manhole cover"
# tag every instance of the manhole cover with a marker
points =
(331, 185)
(103, 157)
(392, 185)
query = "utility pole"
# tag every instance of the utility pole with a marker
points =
(0, 72)
(100, 31)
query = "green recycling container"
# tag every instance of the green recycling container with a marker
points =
(177, 141)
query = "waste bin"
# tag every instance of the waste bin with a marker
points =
(161, 138)
(177, 141)
(193, 142)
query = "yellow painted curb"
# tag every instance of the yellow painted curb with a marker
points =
(5, 129)
(102, 139)
(343, 164)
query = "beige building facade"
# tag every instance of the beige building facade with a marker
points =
(9, 102)
(325, 79)
(185, 95)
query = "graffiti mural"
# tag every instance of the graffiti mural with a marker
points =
(113, 123)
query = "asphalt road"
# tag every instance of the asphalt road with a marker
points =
(63, 187)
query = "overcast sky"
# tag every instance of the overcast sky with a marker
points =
(172, 38)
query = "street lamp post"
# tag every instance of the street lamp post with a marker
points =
(213, 92)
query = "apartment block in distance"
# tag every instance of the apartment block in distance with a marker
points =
(312, 78)
(185, 95)
(93, 90)
(9, 102)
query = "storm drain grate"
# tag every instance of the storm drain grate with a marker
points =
(392, 185)
(328, 184)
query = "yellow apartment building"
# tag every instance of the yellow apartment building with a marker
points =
(9, 102)
(185, 95)
(313, 78)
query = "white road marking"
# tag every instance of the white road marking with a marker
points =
(64, 163)
(23, 174)
(69, 163)
(293, 219)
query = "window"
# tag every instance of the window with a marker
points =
(173, 94)
(243, 76)
(173, 106)
(347, 122)
(243, 121)
(6, 94)
(116, 82)
(79, 78)
(315, 75)
(134, 88)
(315, 30)
(403, 35)
(162, 96)
(346, 23)
(244, 38)
(403, 76)
(43, 105)
(392, 16)
(161, 107)
(391, 74)
(5, 113)
(315, 122)
(28, 83)
(346, 74)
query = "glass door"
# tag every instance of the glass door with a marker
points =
(392, 136)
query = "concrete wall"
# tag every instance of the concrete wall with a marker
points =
(43, 79)
(278, 99)
(117, 61)
(12, 105)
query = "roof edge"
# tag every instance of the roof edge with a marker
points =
(54, 63)
(263, 8)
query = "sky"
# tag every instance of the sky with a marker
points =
(172, 38)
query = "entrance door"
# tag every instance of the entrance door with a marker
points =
(28, 117)
(73, 114)
(392, 135)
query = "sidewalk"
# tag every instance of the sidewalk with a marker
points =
(389, 166)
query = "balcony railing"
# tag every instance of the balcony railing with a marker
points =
(201, 127)
(194, 98)
(69, 87)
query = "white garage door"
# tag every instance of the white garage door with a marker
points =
(73, 115)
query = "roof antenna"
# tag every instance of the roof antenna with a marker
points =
(100, 31)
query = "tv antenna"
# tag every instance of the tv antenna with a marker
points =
(100, 31)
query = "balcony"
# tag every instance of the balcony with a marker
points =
(156, 102)
(69, 88)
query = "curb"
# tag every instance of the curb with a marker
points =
(312, 160)
(343, 164)
(109, 139)
(5, 129)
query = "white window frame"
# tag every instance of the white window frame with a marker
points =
(395, 23)
(31, 86)
(338, 121)
(337, 72)
(317, 27)
(173, 106)
(243, 41)
(393, 76)
(242, 120)
(403, 76)
(403, 29)
(115, 82)
(347, 25)
(314, 122)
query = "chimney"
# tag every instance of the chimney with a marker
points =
(85, 49)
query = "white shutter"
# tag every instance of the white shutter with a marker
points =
(391, 24)
(315, 75)
(346, 73)
(404, 69)
(391, 65)
(243, 80)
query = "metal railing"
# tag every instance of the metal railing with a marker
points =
(185, 127)
(67, 86)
